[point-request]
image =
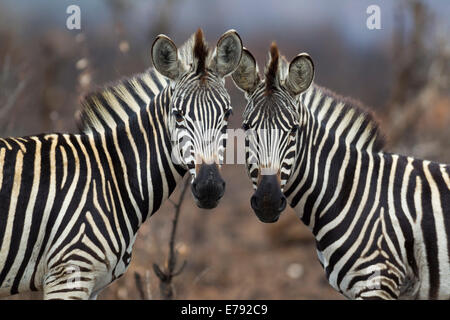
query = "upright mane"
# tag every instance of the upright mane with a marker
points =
(271, 72)
(323, 102)
(116, 103)
(276, 70)
(195, 51)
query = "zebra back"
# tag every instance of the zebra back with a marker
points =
(116, 103)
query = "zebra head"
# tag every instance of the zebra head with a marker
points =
(272, 123)
(200, 107)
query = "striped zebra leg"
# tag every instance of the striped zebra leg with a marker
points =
(69, 281)
(376, 286)
(375, 295)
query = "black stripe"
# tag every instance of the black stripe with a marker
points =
(19, 214)
(429, 232)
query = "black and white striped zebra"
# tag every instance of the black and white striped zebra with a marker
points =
(71, 204)
(381, 221)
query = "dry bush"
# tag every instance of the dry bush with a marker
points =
(12, 85)
(417, 117)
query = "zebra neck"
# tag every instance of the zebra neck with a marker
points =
(329, 118)
(334, 135)
(140, 150)
(323, 180)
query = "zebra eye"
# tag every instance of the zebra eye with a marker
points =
(245, 126)
(294, 131)
(228, 113)
(178, 115)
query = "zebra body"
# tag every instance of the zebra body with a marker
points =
(71, 204)
(381, 221)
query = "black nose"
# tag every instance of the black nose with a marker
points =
(268, 201)
(208, 187)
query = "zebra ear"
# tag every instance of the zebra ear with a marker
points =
(301, 74)
(165, 57)
(246, 76)
(227, 54)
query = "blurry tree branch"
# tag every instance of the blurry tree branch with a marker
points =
(10, 90)
(13, 94)
(140, 286)
(143, 285)
(421, 70)
(12, 99)
(167, 273)
(165, 276)
(53, 64)
(410, 51)
(405, 118)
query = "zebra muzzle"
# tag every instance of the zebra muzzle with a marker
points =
(208, 187)
(268, 201)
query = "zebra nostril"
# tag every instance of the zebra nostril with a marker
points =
(194, 186)
(254, 203)
(221, 190)
(283, 203)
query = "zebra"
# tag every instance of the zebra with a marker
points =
(381, 221)
(71, 204)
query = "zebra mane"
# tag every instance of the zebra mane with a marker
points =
(358, 117)
(195, 51)
(276, 70)
(271, 72)
(115, 103)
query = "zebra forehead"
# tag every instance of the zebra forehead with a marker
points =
(192, 81)
(272, 108)
(280, 125)
(196, 89)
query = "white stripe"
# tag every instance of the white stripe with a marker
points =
(442, 245)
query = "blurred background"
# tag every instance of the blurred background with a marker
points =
(400, 71)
